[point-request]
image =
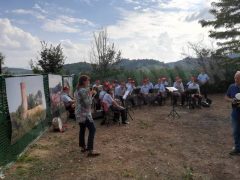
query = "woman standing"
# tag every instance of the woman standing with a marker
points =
(84, 116)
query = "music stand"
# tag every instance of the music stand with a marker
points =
(173, 112)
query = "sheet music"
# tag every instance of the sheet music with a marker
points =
(171, 89)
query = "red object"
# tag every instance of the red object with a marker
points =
(65, 88)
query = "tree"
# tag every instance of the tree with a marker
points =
(104, 54)
(2, 57)
(226, 26)
(51, 59)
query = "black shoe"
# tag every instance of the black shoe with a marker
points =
(83, 150)
(234, 153)
(93, 154)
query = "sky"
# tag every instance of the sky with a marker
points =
(151, 29)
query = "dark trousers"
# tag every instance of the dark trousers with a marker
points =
(71, 111)
(204, 90)
(91, 129)
(123, 113)
(236, 132)
(177, 95)
(158, 98)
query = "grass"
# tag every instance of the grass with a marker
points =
(27, 159)
(143, 125)
(127, 173)
(188, 175)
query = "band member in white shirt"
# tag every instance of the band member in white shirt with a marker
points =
(149, 84)
(181, 92)
(115, 107)
(120, 90)
(144, 92)
(196, 96)
(161, 91)
(203, 82)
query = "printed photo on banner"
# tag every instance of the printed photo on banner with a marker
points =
(67, 82)
(26, 103)
(55, 88)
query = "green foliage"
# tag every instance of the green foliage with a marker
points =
(226, 25)
(51, 60)
(188, 175)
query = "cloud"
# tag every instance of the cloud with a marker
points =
(65, 24)
(17, 45)
(29, 12)
(20, 47)
(52, 22)
(157, 33)
(75, 52)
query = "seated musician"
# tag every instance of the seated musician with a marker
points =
(165, 81)
(180, 93)
(130, 89)
(111, 103)
(161, 91)
(194, 91)
(144, 92)
(68, 102)
(149, 84)
(97, 84)
(119, 91)
(104, 90)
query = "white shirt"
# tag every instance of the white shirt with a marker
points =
(101, 94)
(119, 91)
(107, 98)
(194, 86)
(130, 88)
(65, 98)
(203, 78)
(144, 89)
(150, 85)
(160, 87)
(179, 86)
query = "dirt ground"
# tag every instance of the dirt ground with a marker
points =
(152, 146)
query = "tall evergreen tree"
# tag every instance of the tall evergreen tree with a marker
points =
(51, 59)
(226, 26)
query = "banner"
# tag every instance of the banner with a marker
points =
(55, 89)
(68, 82)
(26, 103)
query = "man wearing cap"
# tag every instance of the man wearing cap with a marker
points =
(104, 90)
(68, 102)
(161, 91)
(149, 84)
(115, 107)
(119, 91)
(231, 97)
(180, 93)
(195, 96)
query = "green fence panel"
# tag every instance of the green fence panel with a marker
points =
(9, 152)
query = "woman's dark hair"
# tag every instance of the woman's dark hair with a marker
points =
(82, 79)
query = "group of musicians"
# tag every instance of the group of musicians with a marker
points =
(114, 95)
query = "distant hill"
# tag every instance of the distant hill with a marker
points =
(16, 71)
(187, 64)
(76, 68)
(136, 64)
